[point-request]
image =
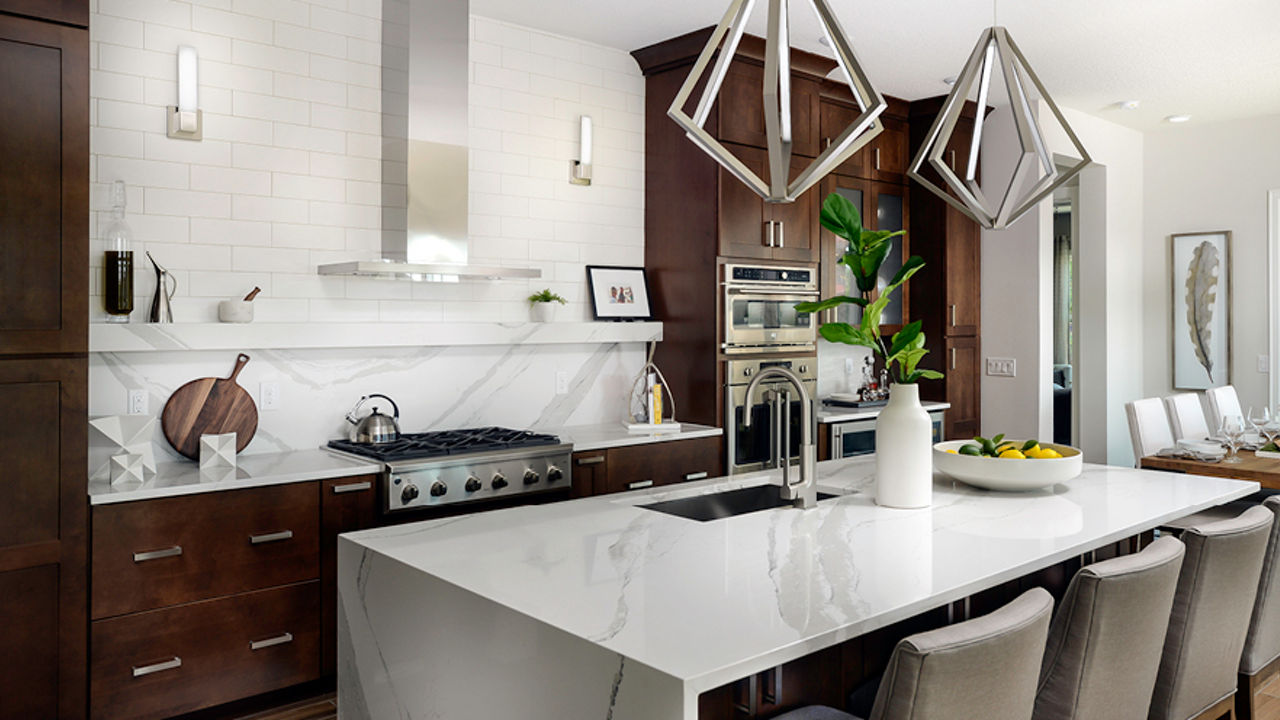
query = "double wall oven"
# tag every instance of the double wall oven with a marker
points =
(762, 329)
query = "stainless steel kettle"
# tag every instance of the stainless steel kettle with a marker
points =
(375, 428)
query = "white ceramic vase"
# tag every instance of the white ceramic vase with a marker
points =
(904, 445)
(543, 311)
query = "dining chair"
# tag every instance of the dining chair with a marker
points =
(1261, 658)
(1186, 416)
(1223, 401)
(1210, 618)
(1148, 428)
(1106, 637)
(980, 669)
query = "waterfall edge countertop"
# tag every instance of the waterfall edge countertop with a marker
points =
(687, 606)
(612, 435)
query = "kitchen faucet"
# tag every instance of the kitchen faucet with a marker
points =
(804, 494)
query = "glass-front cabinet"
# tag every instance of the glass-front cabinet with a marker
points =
(883, 207)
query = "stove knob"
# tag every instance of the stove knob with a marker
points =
(438, 488)
(554, 473)
(530, 477)
(409, 494)
(804, 369)
(498, 482)
(473, 484)
(748, 371)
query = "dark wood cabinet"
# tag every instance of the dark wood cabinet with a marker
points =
(69, 12)
(752, 228)
(962, 366)
(883, 206)
(634, 467)
(44, 191)
(741, 107)
(889, 157)
(835, 118)
(346, 505)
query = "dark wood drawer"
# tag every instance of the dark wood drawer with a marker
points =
(641, 466)
(160, 663)
(153, 553)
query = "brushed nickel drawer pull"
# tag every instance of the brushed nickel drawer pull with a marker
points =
(591, 460)
(353, 487)
(953, 160)
(877, 158)
(174, 551)
(696, 475)
(271, 642)
(782, 235)
(173, 664)
(953, 316)
(270, 537)
(768, 236)
(640, 484)
(953, 358)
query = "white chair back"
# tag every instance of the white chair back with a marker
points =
(1186, 415)
(1148, 427)
(1223, 401)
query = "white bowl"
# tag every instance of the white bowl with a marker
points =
(1005, 473)
(235, 311)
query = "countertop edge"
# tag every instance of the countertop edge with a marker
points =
(623, 438)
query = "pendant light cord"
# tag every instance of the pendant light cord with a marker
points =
(995, 22)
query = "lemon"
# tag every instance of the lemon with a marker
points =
(953, 452)
(1049, 453)
(1034, 453)
(1012, 454)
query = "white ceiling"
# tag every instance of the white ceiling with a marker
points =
(1212, 59)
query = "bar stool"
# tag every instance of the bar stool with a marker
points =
(980, 669)
(1106, 637)
(1261, 659)
(1210, 618)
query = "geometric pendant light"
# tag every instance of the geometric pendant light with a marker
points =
(777, 100)
(1035, 167)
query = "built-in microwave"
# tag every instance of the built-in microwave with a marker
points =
(858, 437)
(759, 309)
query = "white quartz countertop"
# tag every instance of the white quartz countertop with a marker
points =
(185, 478)
(600, 437)
(832, 414)
(709, 603)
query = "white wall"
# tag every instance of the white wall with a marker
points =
(1214, 177)
(286, 177)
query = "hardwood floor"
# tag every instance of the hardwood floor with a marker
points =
(1268, 699)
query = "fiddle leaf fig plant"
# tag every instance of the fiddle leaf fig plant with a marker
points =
(865, 252)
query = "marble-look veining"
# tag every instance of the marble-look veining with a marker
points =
(612, 435)
(697, 605)
(185, 478)
(833, 414)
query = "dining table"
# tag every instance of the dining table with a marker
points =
(1263, 470)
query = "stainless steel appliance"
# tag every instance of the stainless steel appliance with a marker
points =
(858, 437)
(757, 447)
(375, 428)
(434, 469)
(759, 309)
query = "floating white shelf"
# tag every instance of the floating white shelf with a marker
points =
(142, 337)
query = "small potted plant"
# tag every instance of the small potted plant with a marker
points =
(541, 307)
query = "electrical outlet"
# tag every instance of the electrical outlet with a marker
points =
(269, 396)
(562, 383)
(138, 402)
(1002, 367)
(848, 365)
(1264, 364)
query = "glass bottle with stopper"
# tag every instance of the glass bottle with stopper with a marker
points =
(118, 266)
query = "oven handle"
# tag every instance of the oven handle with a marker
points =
(793, 292)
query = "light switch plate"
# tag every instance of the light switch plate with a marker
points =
(1002, 367)
(269, 396)
(138, 402)
(1264, 364)
(562, 383)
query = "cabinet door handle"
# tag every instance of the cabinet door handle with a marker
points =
(953, 160)
(782, 237)
(174, 551)
(352, 487)
(702, 475)
(271, 642)
(773, 690)
(953, 358)
(639, 484)
(828, 144)
(768, 233)
(591, 460)
(173, 664)
(270, 537)
(877, 158)
(953, 316)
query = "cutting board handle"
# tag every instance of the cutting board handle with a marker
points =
(241, 360)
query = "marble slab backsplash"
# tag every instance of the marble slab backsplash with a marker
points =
(436, 388)
(832, 377)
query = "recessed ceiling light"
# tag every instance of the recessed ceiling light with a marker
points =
(1128, 104)
(824, 41)
(1177, 118)
(949, 80)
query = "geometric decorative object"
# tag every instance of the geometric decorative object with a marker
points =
(777, 100)
(124, 434)
(127, 468)
(217, 453)
(996, 50)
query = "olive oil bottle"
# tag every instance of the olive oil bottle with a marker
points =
(118, 264)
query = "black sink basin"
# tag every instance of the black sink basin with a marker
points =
(725, 504)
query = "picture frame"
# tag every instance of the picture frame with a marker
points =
(619, 293)
(1200, 327)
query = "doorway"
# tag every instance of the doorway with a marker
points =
(1066, 228)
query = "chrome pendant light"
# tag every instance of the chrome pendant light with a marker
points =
(777, 100)
(996, 50)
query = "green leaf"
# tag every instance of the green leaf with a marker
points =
(841, 216)
(814, 307)
(996, 440)
(930, 374)
(1029, 444)
(909, 268)
(904, 338)
(844, 333)
(911, 358)
(869, 263)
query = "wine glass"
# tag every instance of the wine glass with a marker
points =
(1259, 419)
(1233, 430)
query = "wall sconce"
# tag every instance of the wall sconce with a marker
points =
(580, 169)
(185, 119)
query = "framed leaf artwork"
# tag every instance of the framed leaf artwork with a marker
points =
(1201, 331)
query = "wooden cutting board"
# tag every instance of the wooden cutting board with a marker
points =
(209, 406)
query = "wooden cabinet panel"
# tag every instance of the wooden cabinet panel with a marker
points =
(836, 278)
(31, 459)
(71, 12)
(964, 275)
(888, 158)
(154, 553)
(888, 209)
(963, 387)
(742, 213)
(835, 118)
(44, 191)
(211, 652)
(346, 505)
(741, 109)
(28, 644)
(590, 471)
(797, 222)
(639, 466)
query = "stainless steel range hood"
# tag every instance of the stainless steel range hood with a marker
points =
(424, 148)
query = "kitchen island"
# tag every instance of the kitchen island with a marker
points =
(599, 608)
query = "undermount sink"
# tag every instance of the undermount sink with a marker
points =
(725, 504)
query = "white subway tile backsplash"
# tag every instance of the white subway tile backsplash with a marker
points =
(270, 259)
(236, 77)
(268, 209)
(187, 203)
(156, 146)
(306, 187)
(115, 86)
(308, 237)
(230, 180)
(210, 231)
(234, 25)
(290, 11)
(148, 173)
(263, 157)
(161, 12)
(337, 21)
(302, 87)
(269, 57)
(310, 40)
(117, 31)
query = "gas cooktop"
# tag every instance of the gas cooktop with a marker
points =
(444, 443)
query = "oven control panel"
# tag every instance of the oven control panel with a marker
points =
(740, 372)
(479, 477)
(777, 276)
